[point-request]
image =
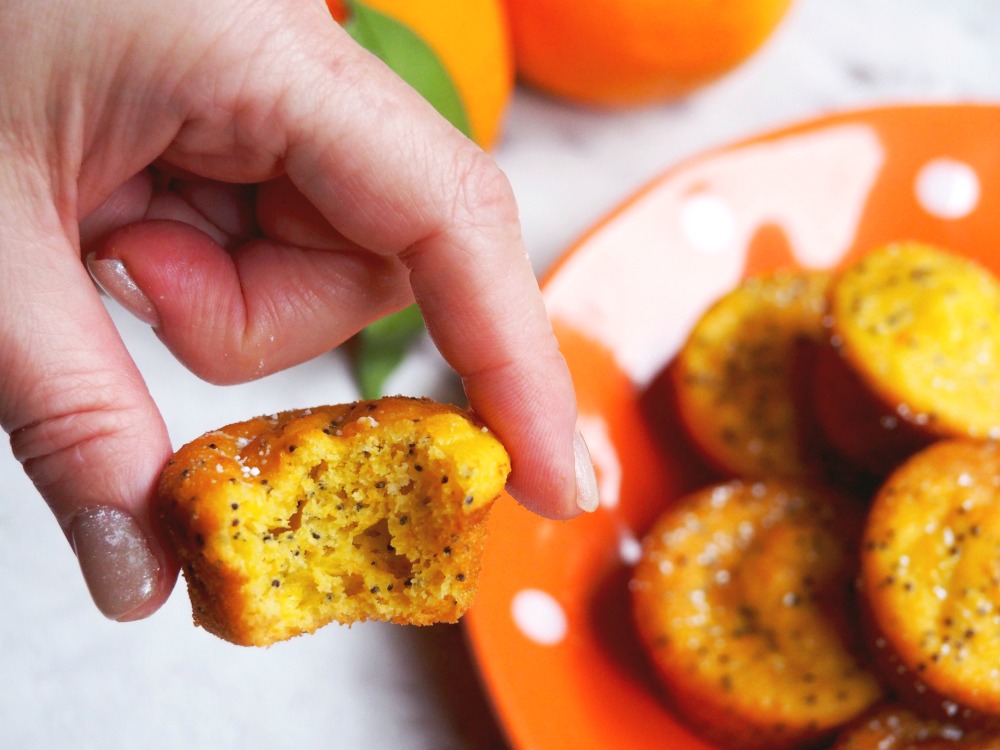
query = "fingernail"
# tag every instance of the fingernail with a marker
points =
(586, 479)
(117, 565)
(114, 280)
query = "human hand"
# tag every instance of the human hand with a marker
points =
(257, 188)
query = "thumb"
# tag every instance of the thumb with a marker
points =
(81, 422)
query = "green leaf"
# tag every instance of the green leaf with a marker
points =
(410, 57)
(381, 346)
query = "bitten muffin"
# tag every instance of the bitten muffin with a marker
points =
(742, 600)
(371, 510)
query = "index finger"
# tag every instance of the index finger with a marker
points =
(393, 176)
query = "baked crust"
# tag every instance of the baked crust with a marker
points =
(743, 604)
(915, 332)
(892, 726)
(929, 574)
(738, 376)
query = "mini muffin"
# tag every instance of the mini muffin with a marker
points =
(916, 331)
(743, 601)
(739, 390)
(892, 726)
(930, 579)
(372, 510)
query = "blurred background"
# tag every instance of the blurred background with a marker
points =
(72, 679)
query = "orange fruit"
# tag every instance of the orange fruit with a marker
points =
(627, 52)
(468, 38)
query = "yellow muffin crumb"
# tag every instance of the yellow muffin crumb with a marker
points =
(372, 510)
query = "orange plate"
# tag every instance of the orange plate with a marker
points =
(551, 626)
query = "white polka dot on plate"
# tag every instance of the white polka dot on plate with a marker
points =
(707, 222)
(539, 616)
(629, 549)
(947, 188)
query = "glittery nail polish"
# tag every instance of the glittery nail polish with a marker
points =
(115, 559)
(114, 280)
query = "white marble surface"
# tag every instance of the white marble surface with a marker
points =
(69, 678)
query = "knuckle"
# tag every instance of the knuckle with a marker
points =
(57, 446)
(81, 453)
(480, 188)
